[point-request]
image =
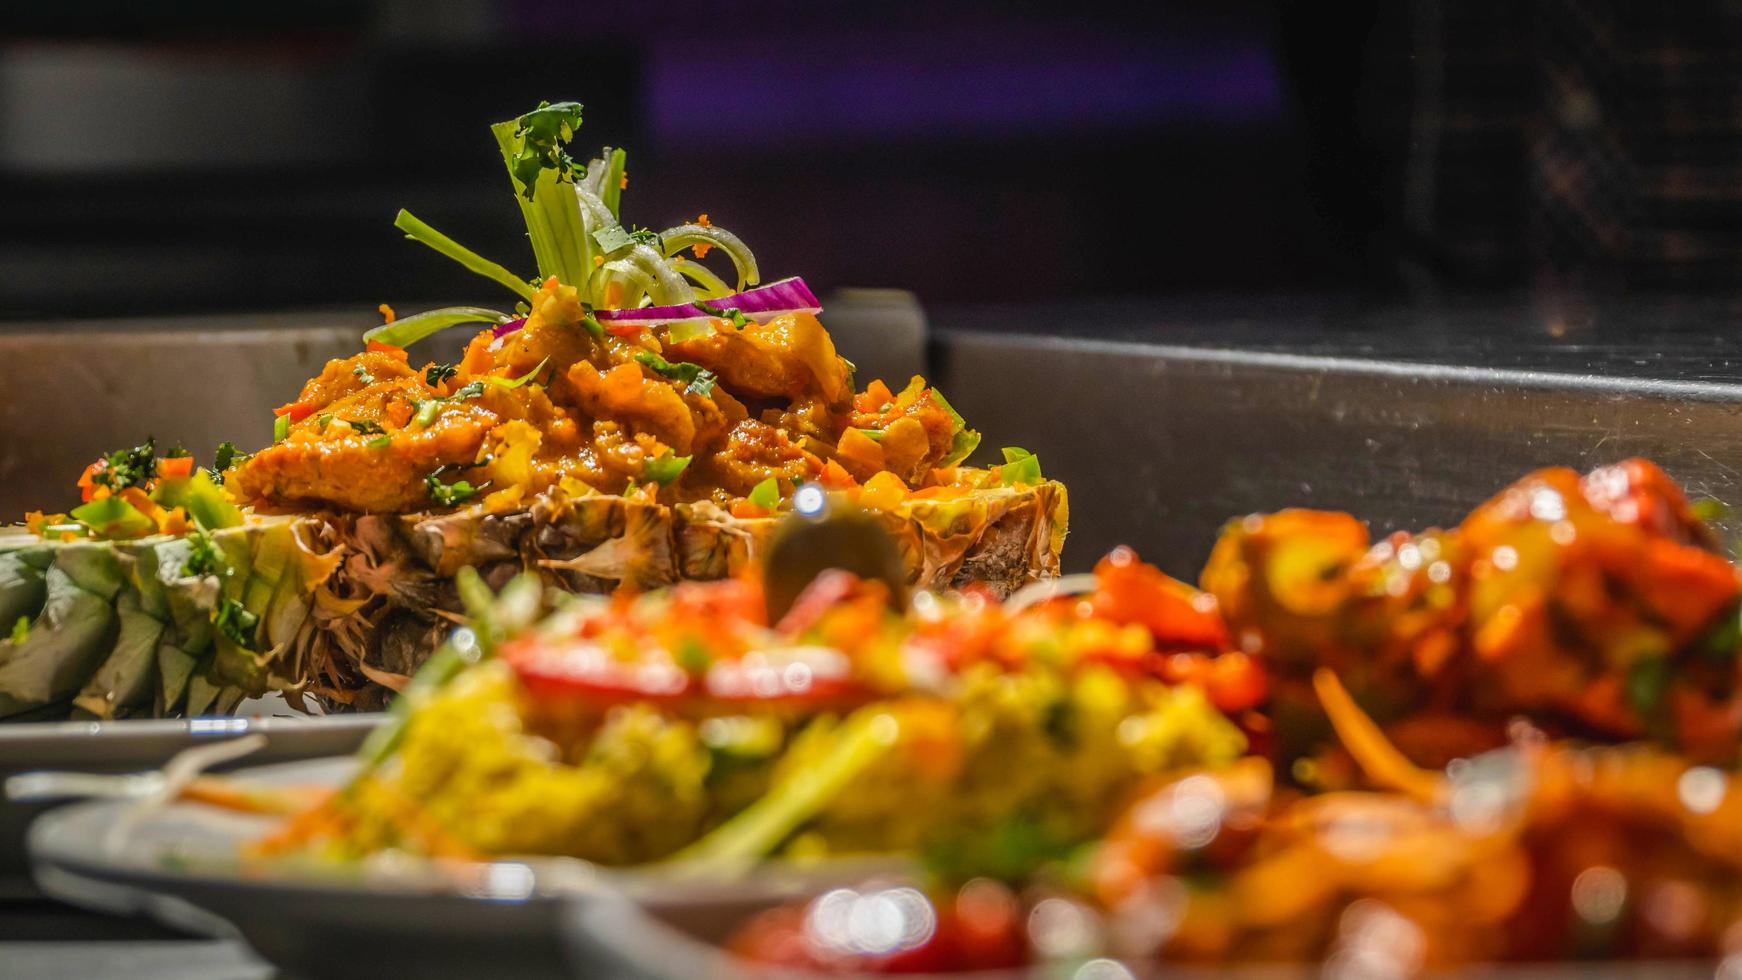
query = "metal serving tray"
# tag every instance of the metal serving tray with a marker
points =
(1166, 420)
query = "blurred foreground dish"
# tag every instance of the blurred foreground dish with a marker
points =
(1566, 662)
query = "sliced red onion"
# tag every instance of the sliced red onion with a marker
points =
(761, 303)
(501, 330)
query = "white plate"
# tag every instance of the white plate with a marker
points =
(130, 746)
(392, 916)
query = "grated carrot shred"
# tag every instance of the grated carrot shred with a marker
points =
(1373, 752)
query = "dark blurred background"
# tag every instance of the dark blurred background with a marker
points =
(212, 156)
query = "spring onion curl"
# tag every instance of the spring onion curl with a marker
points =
(670, 288)
(419, 231)
(611, 186)
(595, 176)
(679, 237)
(411, 329)
(597, 212)
(573, 222)
(560, 245)
(708, 285)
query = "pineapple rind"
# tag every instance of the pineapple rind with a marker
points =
(348, 606)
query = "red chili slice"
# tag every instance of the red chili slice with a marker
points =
(573, 668)
(795, 675)
(1179, 616)
(825, 592)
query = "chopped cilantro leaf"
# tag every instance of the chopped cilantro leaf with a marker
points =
(435, 374)
(699, 379)
(203, 558)
(365, 426)
(363, 374)
(544, 133)
(125, 468)
(1648, 681)
(226, 456)
(236, 622)
(448, 494)
(730, 314)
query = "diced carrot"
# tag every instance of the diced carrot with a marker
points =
(175, 468)
(296, 410)
(174, 521)
(884, 491)
(142, 503)
(380, 348)
(87, 480)
(399, 413)
(746, 510)
(835, 476)
(226, 794)
(873, 398)
(624, 329)
(478, 359)
(860, 451)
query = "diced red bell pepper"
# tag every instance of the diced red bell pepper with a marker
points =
(1179, 616)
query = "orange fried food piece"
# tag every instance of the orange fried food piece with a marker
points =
(1177, 615)
(755, 451)
(1282, 581)
(1595, 604)
(362, 472)
(1588, 596)
(345, 376)
(788, 357)
(643, 402)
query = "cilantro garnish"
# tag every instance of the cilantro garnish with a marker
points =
(235, 622)
(447, 494)
(226, 456)
(365, 427)
(700, 380)
(435, 374)
(544, 133)
(730, 314)
(426, 407)
(362, 374)
(125, 468)
(203, 558)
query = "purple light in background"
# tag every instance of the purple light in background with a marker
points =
(762, 89)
